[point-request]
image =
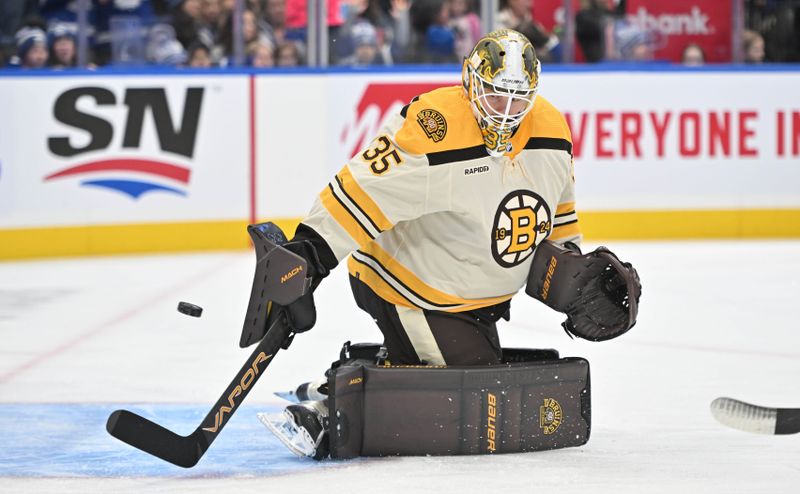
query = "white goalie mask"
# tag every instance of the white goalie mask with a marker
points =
(501, 79)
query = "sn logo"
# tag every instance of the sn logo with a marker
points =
(179, 140)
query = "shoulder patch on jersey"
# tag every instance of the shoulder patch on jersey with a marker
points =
(426, 128)
(433, 123)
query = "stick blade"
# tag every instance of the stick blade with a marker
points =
(744, 416)
(143, 434)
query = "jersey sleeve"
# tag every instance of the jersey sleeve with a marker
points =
(565, 223)
(382, 185)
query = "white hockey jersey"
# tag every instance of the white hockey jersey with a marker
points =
(433, 222)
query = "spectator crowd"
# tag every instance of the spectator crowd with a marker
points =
(201, 33)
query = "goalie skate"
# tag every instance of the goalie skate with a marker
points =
(314, 390)
(301, 428)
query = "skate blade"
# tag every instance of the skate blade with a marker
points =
(294, 437)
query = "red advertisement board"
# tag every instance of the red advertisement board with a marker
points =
(669, 26)
(678, 23)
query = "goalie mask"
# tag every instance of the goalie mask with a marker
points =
(501, 79)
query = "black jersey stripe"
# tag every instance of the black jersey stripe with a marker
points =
(344, 206)
(554, 143)
(565, 223)
(355, 203)
(406, 287)
(404, 111)
(565, 214)
(455, 155)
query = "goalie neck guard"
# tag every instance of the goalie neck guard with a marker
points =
(501, 79)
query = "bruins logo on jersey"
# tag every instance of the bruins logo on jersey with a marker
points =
(433, 123)
(522, 221)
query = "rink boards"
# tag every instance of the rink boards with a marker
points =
(94, 163)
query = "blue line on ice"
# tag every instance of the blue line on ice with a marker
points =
(70, 440)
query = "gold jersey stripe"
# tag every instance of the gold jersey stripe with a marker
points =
(363, 200)
(564, 231)
(345, 219)
(376, 283)
(390, 294)
(420, 288)
(565, 207)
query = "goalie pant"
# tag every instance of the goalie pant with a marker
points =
(533, 401)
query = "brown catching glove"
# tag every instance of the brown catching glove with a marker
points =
(598, 293)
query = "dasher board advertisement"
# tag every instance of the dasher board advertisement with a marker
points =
(90, 150)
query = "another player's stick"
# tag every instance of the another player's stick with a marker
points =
(754, 418)
(276, 270)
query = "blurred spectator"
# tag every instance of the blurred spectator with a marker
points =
(275, 16)
(132, 17)
(31, 48)
(250, 32)
(392, 27)
(213, 16)
(163, 48)
(778, 23)
(433, 38)
(62, 41)
(466, 26)
(289, 54)
(630, 42)
(260, 54)
(295, 25)
(693, 55)
(367, 51)
(753, 47)
(187, 19)
(516, 14)
(12, 12)
(199, 55)
(592, 23)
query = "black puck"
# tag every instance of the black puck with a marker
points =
(190, 309)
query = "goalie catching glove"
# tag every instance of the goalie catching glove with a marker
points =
(598, 293)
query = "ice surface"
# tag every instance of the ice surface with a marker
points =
(80, 338)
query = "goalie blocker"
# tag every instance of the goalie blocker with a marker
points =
(535, 401)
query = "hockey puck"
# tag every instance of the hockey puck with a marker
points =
(190, 309)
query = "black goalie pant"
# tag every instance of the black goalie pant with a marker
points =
(425, 337)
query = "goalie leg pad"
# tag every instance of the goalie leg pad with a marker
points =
(535, 401)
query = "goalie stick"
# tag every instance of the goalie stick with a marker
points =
(757, 419)
(272, 264)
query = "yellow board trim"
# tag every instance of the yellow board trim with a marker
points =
(690, 224)
(29, 243)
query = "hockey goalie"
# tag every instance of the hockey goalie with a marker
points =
(465, 197)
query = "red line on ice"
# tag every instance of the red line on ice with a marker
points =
(107, 325)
